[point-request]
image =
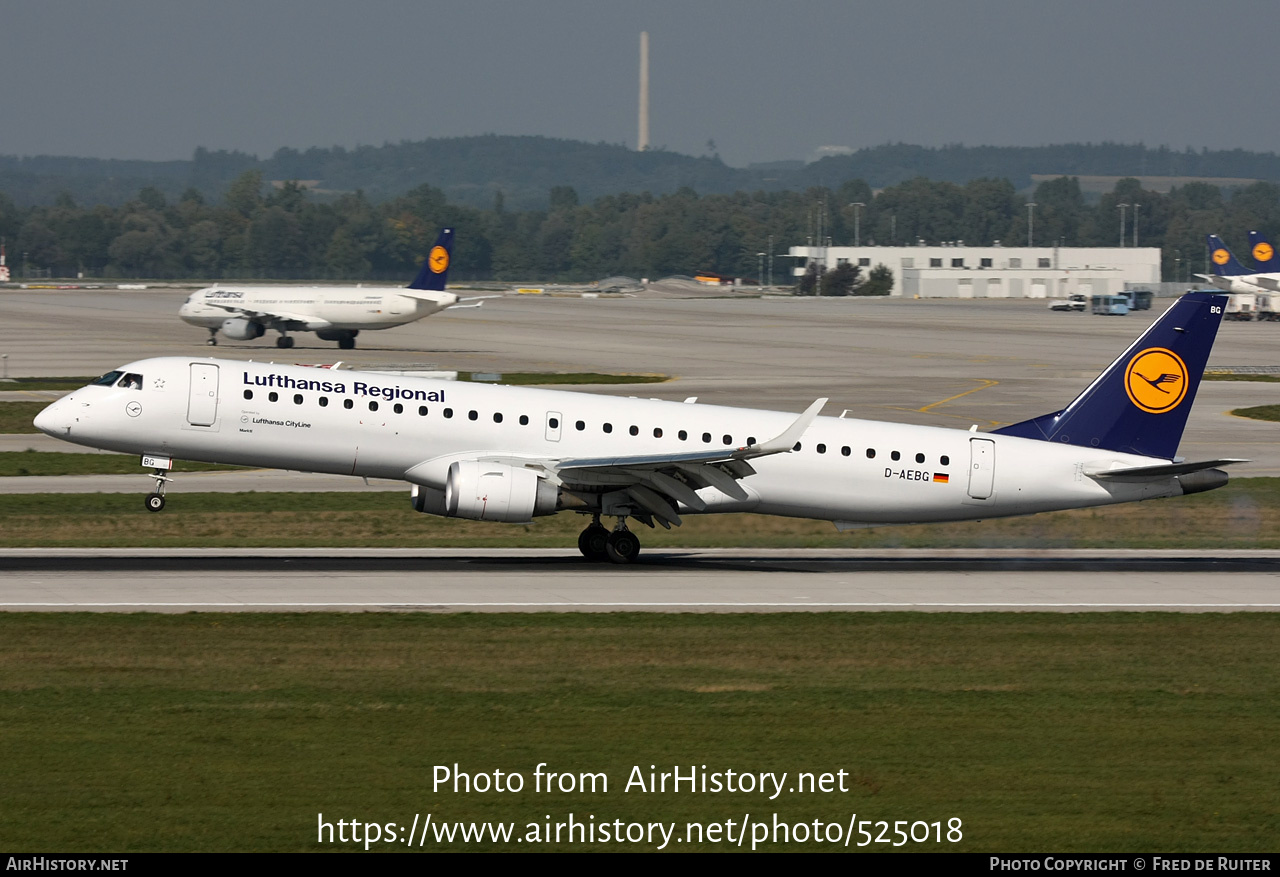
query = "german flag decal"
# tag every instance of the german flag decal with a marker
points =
(940, 478)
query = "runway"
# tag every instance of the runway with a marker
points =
(695, 580)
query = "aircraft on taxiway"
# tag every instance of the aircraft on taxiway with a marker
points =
(334, 313)
(497, 453)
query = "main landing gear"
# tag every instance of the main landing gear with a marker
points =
(284, 342)
(155, 501)
(213, 338)
(597, 544)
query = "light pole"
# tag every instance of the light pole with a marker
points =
(760, 274)
(1031, 210)
(857, 225)
(1122, 208)
(1135, 224)
(771, 261)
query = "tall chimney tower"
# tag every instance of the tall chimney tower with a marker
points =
(643, 142)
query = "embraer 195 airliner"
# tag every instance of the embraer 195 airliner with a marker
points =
(334, 313)
(496, 453)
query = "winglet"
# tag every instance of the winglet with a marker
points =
(787, 440)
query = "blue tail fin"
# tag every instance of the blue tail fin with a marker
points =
(435, 268)
(1139, 405)
(1224, 263)
(1263, 253)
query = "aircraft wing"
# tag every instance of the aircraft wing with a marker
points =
(656, 482)
(310, 322)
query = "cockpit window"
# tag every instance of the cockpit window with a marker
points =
(131, 381)
(107, 380)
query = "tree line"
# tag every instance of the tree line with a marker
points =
(281, 232)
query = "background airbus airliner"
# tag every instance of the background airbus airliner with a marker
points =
(496, 453)
(334, 313)
(1231, 276)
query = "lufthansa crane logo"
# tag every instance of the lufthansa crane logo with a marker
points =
(439, 260)
(1262, 252)
(1156, 380)
(1221, 256)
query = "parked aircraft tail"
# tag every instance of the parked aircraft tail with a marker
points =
(1223, 261)
(435, 268)
(1140, 403)
(1263, 253)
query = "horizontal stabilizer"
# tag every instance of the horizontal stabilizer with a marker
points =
(1163, 470)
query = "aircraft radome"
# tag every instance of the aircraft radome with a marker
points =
(496, 453)
(334, 313)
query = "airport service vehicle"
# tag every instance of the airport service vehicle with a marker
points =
(509, 454)
(1240, 306)
(334, 313)
(1076, 302)
(1139, 299)
(1110, 305)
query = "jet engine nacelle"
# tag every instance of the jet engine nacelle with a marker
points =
(241, 329)
(489, 492)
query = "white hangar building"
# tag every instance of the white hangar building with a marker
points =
(957, 271)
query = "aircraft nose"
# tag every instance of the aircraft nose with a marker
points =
(55, 420)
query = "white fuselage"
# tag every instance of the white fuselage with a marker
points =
(311, 308)
(362, 424)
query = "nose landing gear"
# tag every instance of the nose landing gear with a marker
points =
(155, 501)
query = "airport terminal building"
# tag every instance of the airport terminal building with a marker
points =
(957, 271)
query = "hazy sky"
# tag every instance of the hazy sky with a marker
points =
(764, 80)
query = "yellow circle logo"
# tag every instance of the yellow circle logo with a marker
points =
(1262, 252)
(1156, 380)
(1221, 256)
(439, 259)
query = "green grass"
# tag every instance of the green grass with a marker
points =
(1112, 732)
(1259, 412)
(16, 417)
(18, 463)
(72, 383)
(1244, 514)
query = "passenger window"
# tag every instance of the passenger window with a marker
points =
(324, 401)
(946, 461)
(472, 415)
(846, 451)
(273, 396)
(497, 417)
(579, 426)
(448, 412)
(297, 398)
(822, 449)
(348, 404)
(797, 447)
(895, 456)
(373, 406)
(728, 440)
(554, 422)
(608, 427)
(634, 430)
(657, 432)
(398, 408)
(524, 419)
(919, 458)
(422, 410)
(751, 440)
(706, 438)
(871, 453)
(682, 435)
(248, 394)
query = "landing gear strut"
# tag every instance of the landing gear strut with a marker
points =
(213, 338)
(598, 544)
(155, 501)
